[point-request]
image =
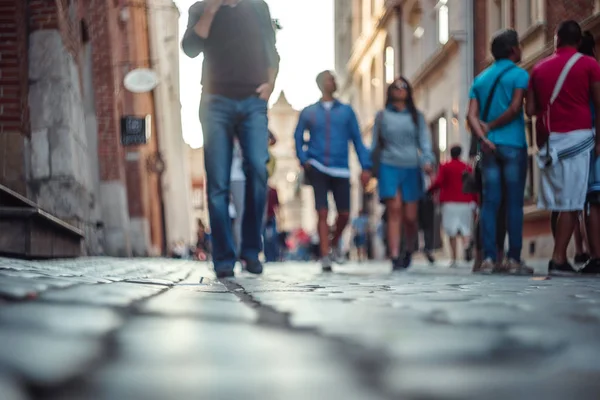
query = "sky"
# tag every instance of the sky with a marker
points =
(305, 45)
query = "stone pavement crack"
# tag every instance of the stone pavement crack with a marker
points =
(368, 364)
(66, 389)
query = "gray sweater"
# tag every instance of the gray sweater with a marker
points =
(404, 144)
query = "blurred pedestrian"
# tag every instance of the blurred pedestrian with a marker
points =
(239, 71)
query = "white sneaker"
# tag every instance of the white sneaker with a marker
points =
(326, 264)
(337, 255)
(488, 266)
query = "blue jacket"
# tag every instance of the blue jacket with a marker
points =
(330, 132)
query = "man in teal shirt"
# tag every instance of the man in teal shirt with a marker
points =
(496, 118)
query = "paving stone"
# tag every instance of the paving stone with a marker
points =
(10, 389)
(46, 359)
(199, 304)
(221, 345)
(60, 319)
(189, 381)
(112, 294)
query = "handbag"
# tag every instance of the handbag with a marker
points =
(376, 152)
(473, 182)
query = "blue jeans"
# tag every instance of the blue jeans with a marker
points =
(223, 118)
(503, 172)
(271, 239)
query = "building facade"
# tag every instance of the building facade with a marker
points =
(176, 190)
(439, 46)
(63, 101)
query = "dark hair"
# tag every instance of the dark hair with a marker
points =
(588, 44)
(321, 77)
(410, 104)
(503, 43)
(455, 152)
(569, 33)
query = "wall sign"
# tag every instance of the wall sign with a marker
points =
(135, 131)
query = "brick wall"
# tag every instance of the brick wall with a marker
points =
(561, 10)
(556, 11)
(14, 112)
(103, 29)
(480, 41)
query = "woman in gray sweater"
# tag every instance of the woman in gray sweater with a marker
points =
(404, 141)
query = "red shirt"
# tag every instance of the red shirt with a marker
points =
(571, 109)
(449, 183)
(272, 203)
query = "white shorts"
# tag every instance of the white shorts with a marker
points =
(564, 184)
(457, 218)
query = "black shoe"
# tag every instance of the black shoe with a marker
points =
(397, 264)
(253, 266)
(429, 257)
(407, 260)
(582, 258)
(225, 273)
(469, 254)
(564, 268)
(592, 267)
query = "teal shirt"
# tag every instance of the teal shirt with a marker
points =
(513, 133)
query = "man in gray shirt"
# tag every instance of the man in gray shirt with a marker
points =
(238, 75)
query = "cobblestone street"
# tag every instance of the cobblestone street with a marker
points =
(159, 329)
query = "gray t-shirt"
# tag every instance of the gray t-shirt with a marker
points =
(404, 144)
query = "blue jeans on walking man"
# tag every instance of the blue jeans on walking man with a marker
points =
(503, 172)
(223, 118)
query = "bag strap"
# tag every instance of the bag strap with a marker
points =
(488, 102)
(557, 88)
(563, 77)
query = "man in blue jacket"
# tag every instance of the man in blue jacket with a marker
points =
(324, 157)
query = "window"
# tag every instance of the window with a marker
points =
(443, 24)
(374, 89)
(497, 15)
(389, 65)
(442, 134)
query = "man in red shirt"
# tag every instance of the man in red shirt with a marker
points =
(457, 206)
(561, 89)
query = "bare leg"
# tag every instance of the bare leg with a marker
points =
(394, 225)
(453, 249)
(411, 226)
(564, 229)
(578, 239)
(593, 228)
(340, 225)
(323, 230)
